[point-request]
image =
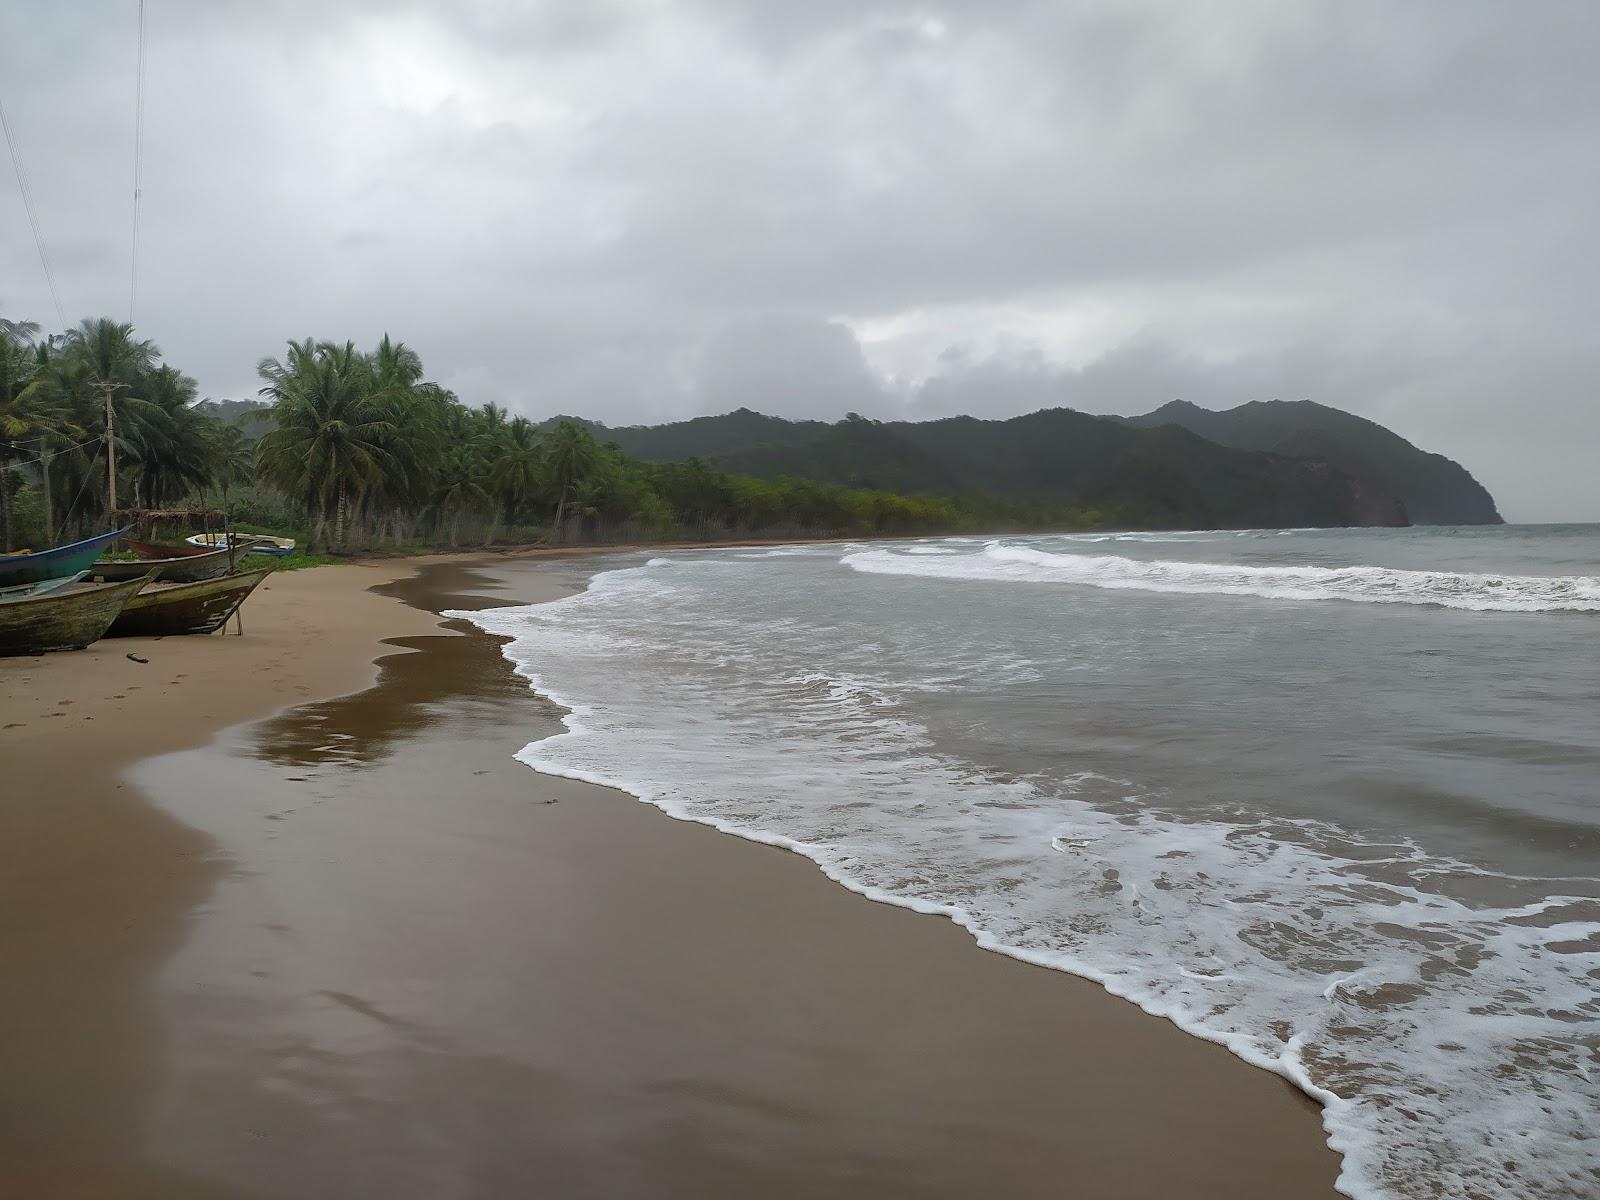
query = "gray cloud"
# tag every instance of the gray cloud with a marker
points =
(646, 211)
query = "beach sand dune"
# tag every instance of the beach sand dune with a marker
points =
(354, 949)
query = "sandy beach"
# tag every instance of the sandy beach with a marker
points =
(283, 917)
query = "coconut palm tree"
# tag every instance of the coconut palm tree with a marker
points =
(169, 447)
(459, 490)
(395, 365)
(19, 331)
(333, 438)
(571, 455)
(231, 456)
(19, 417)
(117, 362)
(517, 469)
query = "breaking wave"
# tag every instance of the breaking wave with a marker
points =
(1000, 563)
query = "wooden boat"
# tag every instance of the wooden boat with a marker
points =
(164, 610)
(255, 543)
(113, 571)
(167, 549)
(190, 567)
(67, 618)
(38, 565)
(22, 591)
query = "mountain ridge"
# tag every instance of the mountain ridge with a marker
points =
(1167, 476)
(1436, 490)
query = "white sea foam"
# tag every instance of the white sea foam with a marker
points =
(1001, 563)
(1446, 1020)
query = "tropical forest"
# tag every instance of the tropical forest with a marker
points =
(353, 450)
(356, 451)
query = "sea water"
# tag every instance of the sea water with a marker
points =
(1330, 798)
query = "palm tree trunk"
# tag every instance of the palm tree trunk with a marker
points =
(318, 526)
(561, 508)
(339, 510)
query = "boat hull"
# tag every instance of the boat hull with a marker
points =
(185, 608)
(184, 568)
(52, 564)
(68, 619)
(118, 572)
(166, 549)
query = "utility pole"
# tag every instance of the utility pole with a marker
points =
(110, 388)
(111, 447)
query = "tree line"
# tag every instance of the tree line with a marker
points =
(360, 451)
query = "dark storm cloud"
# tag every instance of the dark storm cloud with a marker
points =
(643, 211)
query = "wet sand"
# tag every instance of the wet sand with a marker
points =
(360, 951)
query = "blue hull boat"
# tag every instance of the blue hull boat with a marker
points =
(39, 565)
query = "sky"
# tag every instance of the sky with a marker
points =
(643, 211)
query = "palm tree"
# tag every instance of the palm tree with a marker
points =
(18, 416)
(332, 440)
(518, 467)
(168, 441)
(395, 365)
(231, 456)
(19, 331)
(460, 490)
(61, 393)
(117, 361)
(571, 456)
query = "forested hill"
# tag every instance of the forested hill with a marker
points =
(1166, 476)
(1436, 490)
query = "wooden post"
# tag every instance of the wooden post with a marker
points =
(111, 446)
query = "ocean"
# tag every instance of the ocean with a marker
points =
(1328, 797)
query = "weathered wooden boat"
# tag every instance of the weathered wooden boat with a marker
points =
(177, 568)
(167, 549)
(38, 565)
(164, 610)
(67, 618)
(21, 591)
(115, 571)
(255, 543)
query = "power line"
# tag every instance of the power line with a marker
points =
(19, 463)
(138, 171)
(33, 220)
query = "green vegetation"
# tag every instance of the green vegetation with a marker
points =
(53, 483)
(1436, 490)
(1160, 477)
(358, 452)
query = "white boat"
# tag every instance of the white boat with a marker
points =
(254, 543)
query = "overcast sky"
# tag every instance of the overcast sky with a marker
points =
(642, 211)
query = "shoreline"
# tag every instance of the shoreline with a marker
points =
(1120, 1104)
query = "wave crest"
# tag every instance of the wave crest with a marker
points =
(1000, 563)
